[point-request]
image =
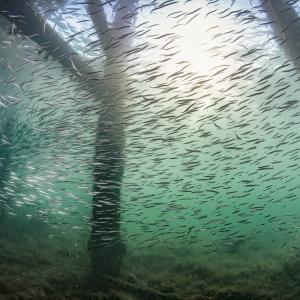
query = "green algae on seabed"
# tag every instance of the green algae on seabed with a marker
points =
(47, 270)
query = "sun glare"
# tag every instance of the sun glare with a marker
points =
(197, 37)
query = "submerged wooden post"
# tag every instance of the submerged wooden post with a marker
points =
(286, 26)
(106, 247)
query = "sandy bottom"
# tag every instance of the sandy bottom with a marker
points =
(36, 263)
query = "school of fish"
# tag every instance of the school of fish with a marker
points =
(210, 107)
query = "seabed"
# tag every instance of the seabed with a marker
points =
(37, 264)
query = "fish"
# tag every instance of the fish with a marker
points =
(195, 132)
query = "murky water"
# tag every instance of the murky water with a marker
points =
(173, 132)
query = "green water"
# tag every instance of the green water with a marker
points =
(209, 198)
